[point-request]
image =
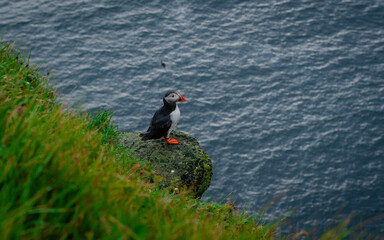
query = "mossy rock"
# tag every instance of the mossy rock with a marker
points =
(181, 165)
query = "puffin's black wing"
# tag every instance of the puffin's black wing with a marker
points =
(159, 126)
(161, 121)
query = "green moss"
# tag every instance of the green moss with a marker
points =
(204, 172)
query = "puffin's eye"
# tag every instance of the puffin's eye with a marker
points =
(173, 95)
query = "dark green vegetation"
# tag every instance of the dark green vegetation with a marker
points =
(62, 176)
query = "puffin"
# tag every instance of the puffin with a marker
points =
(165, 119)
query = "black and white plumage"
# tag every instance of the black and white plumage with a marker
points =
(165, 118)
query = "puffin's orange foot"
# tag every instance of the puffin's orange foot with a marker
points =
(171, 141)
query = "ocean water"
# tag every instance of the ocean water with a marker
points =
(286, 97)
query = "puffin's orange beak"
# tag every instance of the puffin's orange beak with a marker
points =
(181, 98)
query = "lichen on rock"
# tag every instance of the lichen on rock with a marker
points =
(182, 165)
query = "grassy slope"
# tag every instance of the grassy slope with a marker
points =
(58, 180)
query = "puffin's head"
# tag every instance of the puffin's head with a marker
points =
(173, 97)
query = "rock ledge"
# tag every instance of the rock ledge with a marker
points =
(181, 165)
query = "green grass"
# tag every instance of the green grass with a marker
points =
(63, 177)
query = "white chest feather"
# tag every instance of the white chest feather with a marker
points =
(175, 117)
